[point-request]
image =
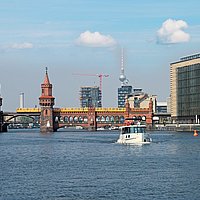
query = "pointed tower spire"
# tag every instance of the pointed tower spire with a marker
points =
(46, 78)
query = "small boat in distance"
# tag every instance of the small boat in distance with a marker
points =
(134, 133)
(114, 128)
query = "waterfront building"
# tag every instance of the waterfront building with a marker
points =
(90, 97)
(185, 89)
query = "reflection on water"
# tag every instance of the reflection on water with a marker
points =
(90, 165)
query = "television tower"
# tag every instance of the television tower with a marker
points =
(122, 77)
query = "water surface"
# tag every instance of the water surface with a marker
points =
(90, 165)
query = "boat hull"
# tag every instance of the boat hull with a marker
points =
(134, 138)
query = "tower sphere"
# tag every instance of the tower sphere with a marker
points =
(122, 77)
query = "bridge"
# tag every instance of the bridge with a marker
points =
(51, 119)
(66, 117)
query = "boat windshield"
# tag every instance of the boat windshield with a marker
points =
(133, 130)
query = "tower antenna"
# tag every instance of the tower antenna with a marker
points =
(122, 77)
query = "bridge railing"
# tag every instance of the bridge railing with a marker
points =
(73, 109)
(96, 109)
(32, 110)
(110, 109)
(27, 110)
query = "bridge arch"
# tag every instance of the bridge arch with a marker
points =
(116, 119)
(75, 119)
(107, 118)
(121, 119)
(103, 119)
(98, 118)
(85, 119)
(15, 116)
(71, 119)
(80, 119)
(66, 119)
(112, 119)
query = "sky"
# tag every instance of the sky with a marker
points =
(85, 37)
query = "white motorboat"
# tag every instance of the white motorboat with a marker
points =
(134, 134)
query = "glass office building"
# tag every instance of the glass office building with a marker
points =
(90, 97)
(185, 89)
(123, 91)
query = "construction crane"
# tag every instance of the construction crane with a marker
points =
(98, 75)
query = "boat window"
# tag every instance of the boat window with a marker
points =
(125, 130)
(136, 130)
(132, 130)
(143, 130)
(139, 130)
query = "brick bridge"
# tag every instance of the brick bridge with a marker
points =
(89, 117)
(51, 119)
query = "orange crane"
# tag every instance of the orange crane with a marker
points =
(100, 78)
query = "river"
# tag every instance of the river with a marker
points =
(90, 165)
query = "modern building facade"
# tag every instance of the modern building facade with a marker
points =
(185, 89)
(123, 91)
(90, 97)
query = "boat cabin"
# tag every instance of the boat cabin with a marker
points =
(133, 129)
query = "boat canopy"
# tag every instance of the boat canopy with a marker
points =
(131, 129)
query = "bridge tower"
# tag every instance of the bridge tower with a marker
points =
(46, 101)
(92, 124)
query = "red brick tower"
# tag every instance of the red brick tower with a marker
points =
(46, 102)
(127, 106)
(92, 124)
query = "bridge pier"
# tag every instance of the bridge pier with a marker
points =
(1, 121)
(92, 124)
(3, 127)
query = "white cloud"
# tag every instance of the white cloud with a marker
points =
(172, 32)
(95, 39)
(25, 45)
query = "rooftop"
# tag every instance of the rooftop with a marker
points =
(190, 57)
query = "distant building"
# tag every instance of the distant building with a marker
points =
(123, 91)
(90, 97)
(185, 89)
(21, 100)
(139, 99)
(161, 107)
